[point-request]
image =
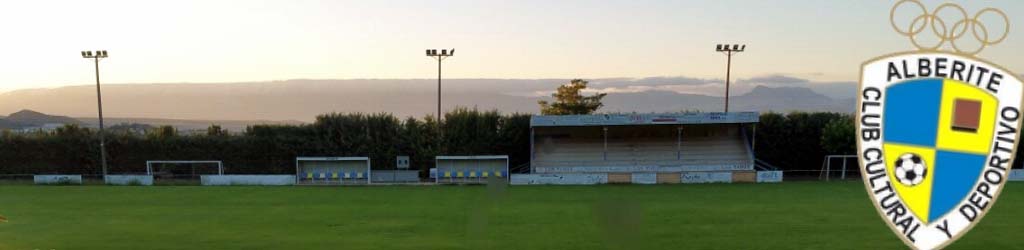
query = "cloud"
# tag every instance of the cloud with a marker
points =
(704, 86)
(652, 81)
(775, 80)
(693, 85)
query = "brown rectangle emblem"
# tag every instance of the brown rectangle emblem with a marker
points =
(966, 115)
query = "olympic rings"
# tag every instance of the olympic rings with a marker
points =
(946, 33)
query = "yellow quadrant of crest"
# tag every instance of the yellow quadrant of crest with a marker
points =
(966, 141)
(916, 198)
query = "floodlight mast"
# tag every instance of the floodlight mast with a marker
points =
(440, 57)
(729, 50)
(99, 54)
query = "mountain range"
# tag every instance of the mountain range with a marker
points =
(32, 119)
(295, 101)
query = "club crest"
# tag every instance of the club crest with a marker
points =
(937, 130)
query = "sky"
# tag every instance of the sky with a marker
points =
(237, 41)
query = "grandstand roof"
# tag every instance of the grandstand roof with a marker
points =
(332, 158)
(643, 119)
(471, 157)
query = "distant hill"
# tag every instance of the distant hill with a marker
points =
(28, 119)
(35, 118)
(302, 100)
(181, 124)
(5, 124)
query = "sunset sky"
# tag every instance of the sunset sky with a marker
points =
(234, 41)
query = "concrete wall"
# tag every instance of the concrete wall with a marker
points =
(650, 168)
(769, 176)
(645, 178)
(636, 178)
(145, 180)
(707, 177)
(1017, 175)
(558, 179)
(242, 180)
(57, 179)
(385, 176)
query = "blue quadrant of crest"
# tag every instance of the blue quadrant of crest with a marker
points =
(912, 112)
(954, 177)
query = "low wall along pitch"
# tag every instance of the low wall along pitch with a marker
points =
(769, 176)
(707, 177)
(142, 180)
(247, 180)
(57, 179)
(647, 178)
(558, 179)
(395, 176)
(1017, 175)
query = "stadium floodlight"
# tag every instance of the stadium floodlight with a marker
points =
(440, 57)
(100, 54)
(729, 50)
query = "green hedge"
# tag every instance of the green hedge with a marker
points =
(794, 141)
(271, 149)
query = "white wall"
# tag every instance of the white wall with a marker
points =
(645, 178)
(1017, 175)
(769, 176)
(57, 179)
(707, 177)
(145, 180)
(241, 180)
(558, 179)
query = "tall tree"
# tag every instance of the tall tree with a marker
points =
(216, 130)
(569, 100)
(839, 136)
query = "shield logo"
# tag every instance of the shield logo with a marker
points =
(937, 134)
(937, 131)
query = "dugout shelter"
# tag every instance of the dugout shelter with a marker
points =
(332, 170)
(471, 169)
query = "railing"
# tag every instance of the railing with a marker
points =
(764, 166)
(521, 169)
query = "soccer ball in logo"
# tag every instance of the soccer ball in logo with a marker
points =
(910, 169)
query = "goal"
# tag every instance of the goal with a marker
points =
(332, 170)
(839, 166)
(183, 171)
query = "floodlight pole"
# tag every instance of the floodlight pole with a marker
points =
(729, 50)
(440, 57)
(99, 54)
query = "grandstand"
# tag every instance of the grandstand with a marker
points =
(642, 148)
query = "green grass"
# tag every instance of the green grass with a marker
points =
(798, 215)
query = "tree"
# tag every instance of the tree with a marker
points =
(216, 130)
(163, 132)
(838, 136)
(569, 100)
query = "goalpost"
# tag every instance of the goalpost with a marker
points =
(826, 166)
(173, 170)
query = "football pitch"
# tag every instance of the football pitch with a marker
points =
(795, 215)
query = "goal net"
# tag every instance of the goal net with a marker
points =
(182, 172)
(839, 167)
